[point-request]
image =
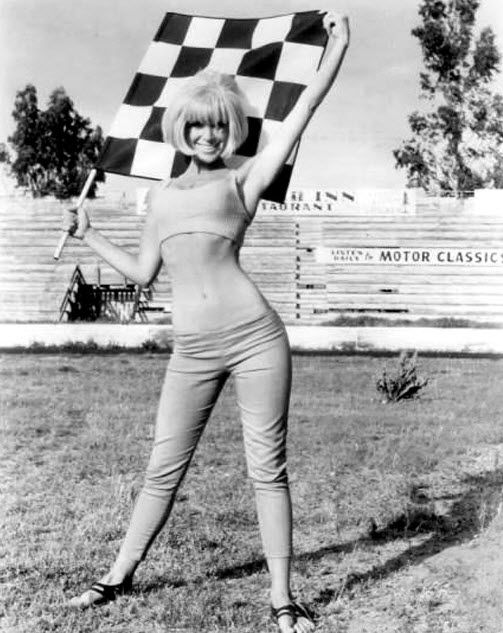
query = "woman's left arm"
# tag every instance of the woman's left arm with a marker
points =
(258, 174)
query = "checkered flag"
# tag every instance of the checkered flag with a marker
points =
(270, 58)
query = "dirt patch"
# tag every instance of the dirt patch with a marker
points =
(452, 581)
(458, 590)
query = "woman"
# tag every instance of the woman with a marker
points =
(222, 324)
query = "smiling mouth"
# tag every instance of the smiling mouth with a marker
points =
(207, 148)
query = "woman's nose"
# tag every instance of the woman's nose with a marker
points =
(208, 132)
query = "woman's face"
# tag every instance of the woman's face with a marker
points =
(208, 140)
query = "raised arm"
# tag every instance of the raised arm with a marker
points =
(141, 268)
(257, 174)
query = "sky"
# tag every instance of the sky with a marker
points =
(93, 47)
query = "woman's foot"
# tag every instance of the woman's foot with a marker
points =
(290, 616)
(106, 590)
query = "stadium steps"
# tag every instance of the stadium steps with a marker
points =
(32, 283)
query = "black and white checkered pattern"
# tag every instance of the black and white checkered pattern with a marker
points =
(270, 58)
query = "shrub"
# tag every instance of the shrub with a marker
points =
(150, 346)
(403, 382)
(161, 346)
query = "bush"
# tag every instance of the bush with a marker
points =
(403, 382)
(150, 346)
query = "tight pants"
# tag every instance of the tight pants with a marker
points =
(257, 354)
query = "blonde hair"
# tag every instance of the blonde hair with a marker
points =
(207, 97)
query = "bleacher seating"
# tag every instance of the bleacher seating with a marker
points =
(33, 284)
(281, 254)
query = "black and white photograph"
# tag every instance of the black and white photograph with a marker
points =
(251, 316)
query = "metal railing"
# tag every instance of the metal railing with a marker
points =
(108, 302)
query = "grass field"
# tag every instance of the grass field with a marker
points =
(386, 499)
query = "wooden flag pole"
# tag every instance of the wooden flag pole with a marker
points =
(80, 202)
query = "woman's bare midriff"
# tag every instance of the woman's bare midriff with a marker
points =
(210, 289)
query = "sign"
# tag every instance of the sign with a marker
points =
(327, 202)
(410, 256)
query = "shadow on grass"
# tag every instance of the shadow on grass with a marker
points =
(448, 520)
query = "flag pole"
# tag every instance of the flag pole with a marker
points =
(80, 202)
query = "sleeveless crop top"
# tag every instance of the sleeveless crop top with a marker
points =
(214, 207)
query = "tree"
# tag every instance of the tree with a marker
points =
(4, 154)
(457, 142)
(55, 148)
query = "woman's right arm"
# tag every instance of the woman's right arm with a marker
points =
(141, 268)
(258, 173)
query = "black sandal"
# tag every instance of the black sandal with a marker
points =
(294, 610)
(107, 593)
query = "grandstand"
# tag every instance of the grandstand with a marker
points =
(440, 260)
(443, 259)
(35, 288)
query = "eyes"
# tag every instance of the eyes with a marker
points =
(198, 125)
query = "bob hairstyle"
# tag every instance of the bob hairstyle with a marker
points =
(208, 97)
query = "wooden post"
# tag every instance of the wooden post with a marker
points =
(80, 202)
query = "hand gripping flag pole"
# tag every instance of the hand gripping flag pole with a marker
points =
(272, 59)
(80, 202)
